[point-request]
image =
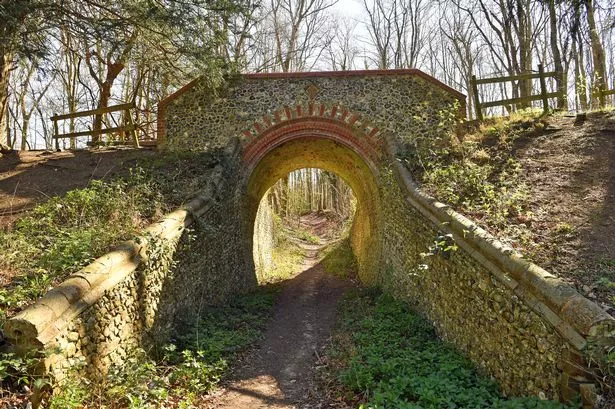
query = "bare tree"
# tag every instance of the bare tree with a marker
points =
(506, 28)
(395, 33)
(301, 32)
(560, 77)
(461, 34)
(598, 57)
(342, 50)
(27, 94)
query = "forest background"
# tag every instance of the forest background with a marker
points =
(64, 56)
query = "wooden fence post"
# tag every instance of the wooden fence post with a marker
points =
(56, 133)
(479, 112)
(132, 123)
(543, 89)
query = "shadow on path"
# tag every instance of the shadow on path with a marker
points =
(280, 373)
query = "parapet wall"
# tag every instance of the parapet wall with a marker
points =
(522, 325)
(136, 295)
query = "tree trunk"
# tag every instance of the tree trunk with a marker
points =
(560, 78)
(6, 64)
(580, 79)
(25, 122)
(103, 100)
(525, 48)
(599, 78)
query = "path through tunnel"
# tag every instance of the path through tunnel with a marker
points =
(306, 214)
(281, 374)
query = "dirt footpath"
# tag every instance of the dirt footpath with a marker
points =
(280, 373)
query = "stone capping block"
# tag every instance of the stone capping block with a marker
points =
(576, 318)
(39, 324)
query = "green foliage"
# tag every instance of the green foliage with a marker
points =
(65, 233)
(477, 173)
(307, 236)
(392, 358)
(286, 258)
(19, 370)
(70, 394)
(339, 259)
(480, 188)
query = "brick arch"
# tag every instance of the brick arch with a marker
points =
(334, 143)
(313, 119)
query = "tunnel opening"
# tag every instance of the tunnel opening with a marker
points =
(305, 215)
(329, 154)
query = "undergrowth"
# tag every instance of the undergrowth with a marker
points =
(477, 173)
(64, 234)
(182, 373)
(286, 259)
(286, 256)
(339, 260)
(384, 355)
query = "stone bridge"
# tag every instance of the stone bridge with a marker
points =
(519, 323)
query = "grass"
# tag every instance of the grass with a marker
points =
(478, 175)
(385, 355)
(287, 258)
(307, 236)
(184, 372)
(64, 234)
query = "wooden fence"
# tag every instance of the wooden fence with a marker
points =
(130, 128)
(606, 93)
(544, 93)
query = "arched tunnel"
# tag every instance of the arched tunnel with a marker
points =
(319, 145)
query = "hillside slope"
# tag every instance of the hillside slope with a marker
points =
(571, 174)
(548, 190)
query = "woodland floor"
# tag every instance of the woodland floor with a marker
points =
(570, 171)
(282, 371)
(31, 177)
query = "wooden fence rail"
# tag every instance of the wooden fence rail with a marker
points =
(608, 92)
(544, 93)
(131, 127)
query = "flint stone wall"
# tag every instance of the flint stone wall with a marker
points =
(136, 295)
(520, 324)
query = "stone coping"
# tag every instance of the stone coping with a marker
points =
(39, 324)
(576, 318)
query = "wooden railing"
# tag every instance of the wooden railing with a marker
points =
(607, 92)
(544, 93)
(130, 128)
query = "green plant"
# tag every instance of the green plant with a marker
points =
(308, 237)
(66, 233)
(605, 283)
(181, 372)
(565, 229)
(339, 260)
(20, 370)
(390, 357)
(70, 394)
